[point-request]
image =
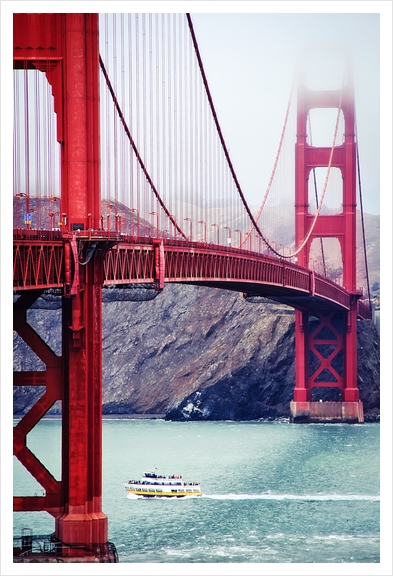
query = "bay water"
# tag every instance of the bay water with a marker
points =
(273, 492)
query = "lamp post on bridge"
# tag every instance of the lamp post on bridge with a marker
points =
(52, 216)
(138, 225)
(240, 234)
(229, 235)
(218, 233)
(190, 221)
(173, 219)
(108, 216)
(118, 223)
(152, 214)
(204, 229)
(258, 249)
(54, 212)
(27, 214)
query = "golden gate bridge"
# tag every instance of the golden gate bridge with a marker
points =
(123, 177)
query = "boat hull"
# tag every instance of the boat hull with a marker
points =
(164, 494)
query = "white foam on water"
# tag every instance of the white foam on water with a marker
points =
(306, 497)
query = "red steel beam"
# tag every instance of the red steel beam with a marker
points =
(65, 47)
(341, 226)
(132, 262)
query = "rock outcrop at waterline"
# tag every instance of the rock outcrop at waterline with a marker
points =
(194, 353)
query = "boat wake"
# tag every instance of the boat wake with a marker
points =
(306, 497)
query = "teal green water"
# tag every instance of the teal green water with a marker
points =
(273, 492)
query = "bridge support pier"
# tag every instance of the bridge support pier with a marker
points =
(75, 378)
(326, 341)
(327, 412)
(82, 520)
(326, 367)
(65, 47)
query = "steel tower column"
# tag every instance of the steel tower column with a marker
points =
(65, 47)
(326, 354)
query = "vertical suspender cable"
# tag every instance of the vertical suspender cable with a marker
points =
(224, 147)
(169, 104)
(143, 132)
(37, 147)
(27, 140)
(164, 112)
(116, 143)
(135, 149)
(174, 159)
(122, 166)
(151, 93)
(362, 217)
(181, 181)
(186, 131)
(316, 204)
(134, 194)
(158, 110)
(17, 157)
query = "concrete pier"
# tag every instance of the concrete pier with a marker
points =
(324, 412)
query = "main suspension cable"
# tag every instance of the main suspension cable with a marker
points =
(273, 172)
(225, 149)
(316, 204)
(218, 127)
(307, 237)
(135, 149)
(362, 217)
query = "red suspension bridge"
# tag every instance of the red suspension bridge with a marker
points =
(122, 177)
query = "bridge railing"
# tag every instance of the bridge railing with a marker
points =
(331, 291)
(39, 258)
(364, 310)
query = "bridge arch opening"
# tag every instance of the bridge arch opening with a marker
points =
(321, 125)
(333, 199)
(326, 258)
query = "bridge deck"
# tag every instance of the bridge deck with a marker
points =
(46, 260)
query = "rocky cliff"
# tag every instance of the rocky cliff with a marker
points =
(199, 353)
(194, 353)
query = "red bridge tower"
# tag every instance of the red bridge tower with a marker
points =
(65, 48)
(326, 345)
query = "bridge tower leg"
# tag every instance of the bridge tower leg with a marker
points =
(326, 344)
(65, 48)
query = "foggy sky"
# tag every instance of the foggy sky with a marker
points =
(250, 61)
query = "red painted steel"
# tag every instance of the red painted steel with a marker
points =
(341, 226)
(38, 265)
(81, 259)
(143, 260)
(82, 520)
(65, 47)
(53, 501)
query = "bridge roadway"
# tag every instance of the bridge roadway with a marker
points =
(50, 260)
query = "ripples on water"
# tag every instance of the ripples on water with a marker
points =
(273, 492)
